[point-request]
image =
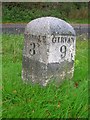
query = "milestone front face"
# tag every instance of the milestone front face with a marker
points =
(49, 51)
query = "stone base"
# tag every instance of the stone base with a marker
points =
(41, 73)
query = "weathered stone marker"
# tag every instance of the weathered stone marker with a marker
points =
(49, 51)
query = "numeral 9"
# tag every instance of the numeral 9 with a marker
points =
(63, 51)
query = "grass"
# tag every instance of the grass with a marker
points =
(70, 100)
(0, 77)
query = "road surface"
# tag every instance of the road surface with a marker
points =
(15, 28)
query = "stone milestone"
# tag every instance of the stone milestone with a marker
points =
(49, 51)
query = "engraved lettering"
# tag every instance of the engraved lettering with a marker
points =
(32, 49)
(54, 39)
(63, 51)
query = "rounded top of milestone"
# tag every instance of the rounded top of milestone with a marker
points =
(49, 26)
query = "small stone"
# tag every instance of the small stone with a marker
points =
(49, 51)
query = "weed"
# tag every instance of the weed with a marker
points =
(70, 100)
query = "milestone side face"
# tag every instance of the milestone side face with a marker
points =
(49, 51)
